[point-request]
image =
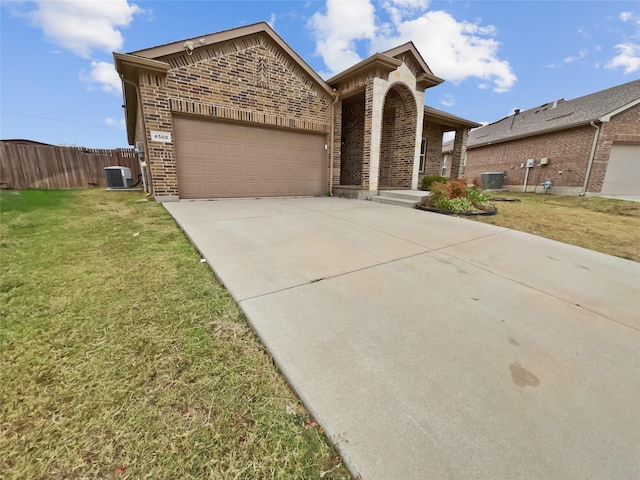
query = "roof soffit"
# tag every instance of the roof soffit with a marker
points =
(443, 118)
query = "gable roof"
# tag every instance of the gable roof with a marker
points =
(389, 61)
(231, 34)
(411, 49)
(559, 115)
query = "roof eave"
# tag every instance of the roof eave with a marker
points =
(449, 120)
(428, 80)
(122, 60)
(378, 60)
(607, 117)
(128, 67)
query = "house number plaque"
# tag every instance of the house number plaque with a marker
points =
(163, 137)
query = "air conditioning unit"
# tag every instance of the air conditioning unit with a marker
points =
(118, 177)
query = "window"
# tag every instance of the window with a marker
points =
(423, 151)
(443, 168)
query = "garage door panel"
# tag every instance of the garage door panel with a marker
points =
(218, 159)
(623, 170)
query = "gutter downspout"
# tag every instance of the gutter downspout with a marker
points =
(332, 136)
(591, 157)
(144, 127)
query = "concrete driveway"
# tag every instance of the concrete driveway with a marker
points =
(431, 347)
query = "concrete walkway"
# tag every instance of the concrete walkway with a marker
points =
(431, 347)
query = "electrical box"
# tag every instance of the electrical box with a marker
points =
(531, 163)
(544, 161)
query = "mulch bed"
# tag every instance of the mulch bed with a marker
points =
(478, 213)
(504, 199)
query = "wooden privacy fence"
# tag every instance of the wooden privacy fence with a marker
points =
(49, 166)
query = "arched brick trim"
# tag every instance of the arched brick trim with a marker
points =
(398, 139)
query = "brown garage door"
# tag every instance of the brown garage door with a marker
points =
(219, 159)
(623, 170)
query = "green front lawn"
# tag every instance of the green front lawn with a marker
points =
(121, 356)
(602, 224)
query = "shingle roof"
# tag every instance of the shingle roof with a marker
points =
(557, 115)
(448, 118)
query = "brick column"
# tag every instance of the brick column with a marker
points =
(337, 142)
(368, 120)
(459, 150)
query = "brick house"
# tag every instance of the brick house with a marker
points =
(239, 113)
(588, 145)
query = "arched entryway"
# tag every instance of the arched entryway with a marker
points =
(398, 142)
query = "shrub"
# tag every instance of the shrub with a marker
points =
(429, 180)
(456, 205)
(438, 191)
(479, 199)
(454, 196)
(456, 189)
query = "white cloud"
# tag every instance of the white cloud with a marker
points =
(448, 100)
(583, 32)
(399, 9)
(628, 58)
(629, 17)
(104, 74)
(119, 124)
(457, 50)
(272, 20)
(572, 58)
(337, 31)
(83, 26)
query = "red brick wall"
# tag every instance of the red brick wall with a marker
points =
(568, 152)
(433, 133)
(386, 143)
(352, 143)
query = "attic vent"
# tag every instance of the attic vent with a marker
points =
(560, 116)
(262, 73)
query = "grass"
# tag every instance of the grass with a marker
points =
(122, 357)
(601, 224)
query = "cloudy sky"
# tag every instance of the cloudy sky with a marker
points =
(58, 84)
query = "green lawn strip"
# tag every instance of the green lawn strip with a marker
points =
(118, 348)
(604, 225)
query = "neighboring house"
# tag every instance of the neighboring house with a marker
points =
(238, 113)
(588, 145)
